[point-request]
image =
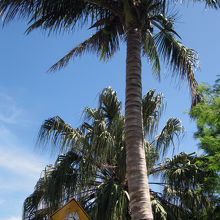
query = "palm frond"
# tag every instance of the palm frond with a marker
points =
(150, 50)
(57, 186)
(10, 9)
(158, 209)
(105, 45)
(50, 14)
(57, 15)
(181, 59)
(172, 211)
(172, 129)
(111, 202)
(102, 141)
(151, 155)
(184, 177)
(109, 104)
(209, 3)
(184, 171)
(113, 6)
(34, 206)
(56, 131)
(152, 109)
(188, 198)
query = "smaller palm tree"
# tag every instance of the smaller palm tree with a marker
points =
(93, 166)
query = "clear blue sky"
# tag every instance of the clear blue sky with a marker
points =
(28, 95)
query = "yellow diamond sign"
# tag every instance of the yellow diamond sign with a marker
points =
(71, 211)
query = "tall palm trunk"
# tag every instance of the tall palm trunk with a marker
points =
(135, 159)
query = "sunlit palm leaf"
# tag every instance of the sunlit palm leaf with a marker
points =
(181, 59)
(150, 50)
(56, 131)
(51, 13)
(105, 45)
(172, 211)
(158, 209)
(109, 104)
(209, 3)
(111, 202)
(172, 129)
(34, 206)
(151, 155)
(183, 176)
(152, 109)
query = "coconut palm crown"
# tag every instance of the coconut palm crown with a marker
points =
(93, 166)
(147, 29)
(110, 21)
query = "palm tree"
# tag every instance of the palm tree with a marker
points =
(93, 169)
(132, 21)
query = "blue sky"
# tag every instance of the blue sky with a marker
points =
(29, 95)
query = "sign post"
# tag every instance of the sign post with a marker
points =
(71, 211)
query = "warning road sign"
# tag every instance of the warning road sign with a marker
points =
(71, 211)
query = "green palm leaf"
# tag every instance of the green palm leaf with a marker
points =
(150, 50)
(56, 131)
(180, 59)
(105, 45)
(152, 109)
(172, 129)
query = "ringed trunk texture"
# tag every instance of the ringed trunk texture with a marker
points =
(135, 159)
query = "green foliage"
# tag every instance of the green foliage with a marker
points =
(207, 116)
(92, 168)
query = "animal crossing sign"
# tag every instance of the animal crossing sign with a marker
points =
(71, 211)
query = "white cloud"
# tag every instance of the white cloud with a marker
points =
(20, 163)
(12, 218)
(14, 158)
(19, 168)
(6, 137)
(9, 111)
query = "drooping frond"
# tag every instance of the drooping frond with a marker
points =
(172, 129)
(50, 14)
(110, 107)
(151, 155)
(109, 104)
(152, 109)
(187, 198)
(59, 133)
(209, 3)
(158, 209)
(185, 177)
(179, 58)
(150, 50)
(184, 196)
(104, 126)
(168, 209)
(57, 185)
(111, 202)
(100, 140)
(184, 170)
(105, 45)
(57, 15)
(36, 206)
(32, 203)
(61, 185)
